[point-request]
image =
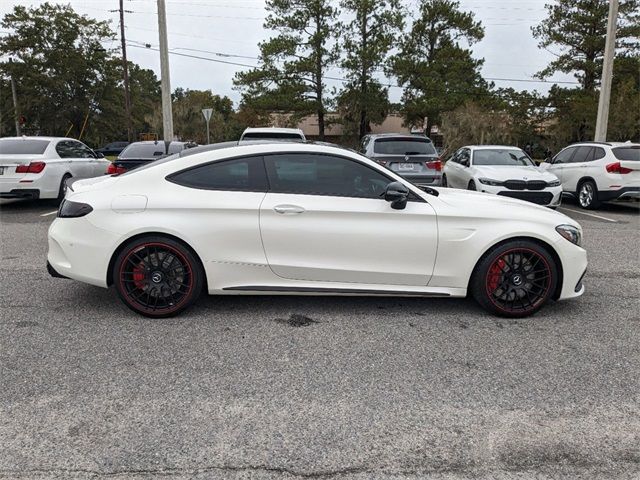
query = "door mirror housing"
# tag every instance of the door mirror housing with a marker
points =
(464, 163)
(99, 154)
(398, 194)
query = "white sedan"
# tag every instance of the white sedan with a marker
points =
(286, 218)
(39, 167)
(502, 170)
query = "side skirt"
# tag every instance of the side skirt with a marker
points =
(341, 291)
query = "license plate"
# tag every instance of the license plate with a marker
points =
(406, 166)
(2, 170)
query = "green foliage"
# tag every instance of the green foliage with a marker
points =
(66, 80)
(188, 121)
(291, 76)
(575, 31)
(366, 40)
(438, 74)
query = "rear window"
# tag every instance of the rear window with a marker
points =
(627, 153)
(144, 151)
(22, 147)
(404, 146)
(271, 135)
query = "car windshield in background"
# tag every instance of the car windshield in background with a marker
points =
(22, 147)
(145, 151)
(509, 158)
(627, 153)
(404, 146)
(271, 135)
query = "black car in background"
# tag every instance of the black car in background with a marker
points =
(112, 149)
(140, 153)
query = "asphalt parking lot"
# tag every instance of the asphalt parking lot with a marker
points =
(318, 387)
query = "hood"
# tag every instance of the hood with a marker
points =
(501, 207)
(503, 173)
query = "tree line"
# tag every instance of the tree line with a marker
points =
(69, 75)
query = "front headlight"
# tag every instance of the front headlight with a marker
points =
(554, 183)
(571, 233)
(488, 181)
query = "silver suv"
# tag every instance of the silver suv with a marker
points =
(596, 172)
(410, 156)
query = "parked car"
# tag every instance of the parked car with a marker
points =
(412, 156)
(501, 170)
(595, 172)
(39, 167)
(112, 149)
(307, 219)
(272, 133)
(140, 153)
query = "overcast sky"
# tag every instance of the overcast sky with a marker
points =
(230, 30)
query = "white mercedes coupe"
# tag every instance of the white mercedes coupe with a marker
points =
(292, 218)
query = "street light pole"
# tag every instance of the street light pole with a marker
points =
(14, 94)
(167, 114)
(607, 72)
(125, 68)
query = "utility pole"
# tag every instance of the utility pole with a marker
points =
(125, 68)
(16, 112)
(165, 82)
(607, 72)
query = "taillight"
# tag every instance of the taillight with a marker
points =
(434, 165)
(33, 167)
(617, 168)
(113, 169)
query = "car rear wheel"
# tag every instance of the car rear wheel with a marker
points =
(515, 279)
(472, 185)
(157, 277)
(62, 191)
(588, 195)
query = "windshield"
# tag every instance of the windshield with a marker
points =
(627, 153)
(144, 151)
(509, 158)
(22, 147)
(271, 135)
(404, 146)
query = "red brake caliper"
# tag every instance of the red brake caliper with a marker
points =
(495, 272)
(138, 276)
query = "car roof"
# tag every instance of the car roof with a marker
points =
(36, 137)
(272, 130)
(491, 147)
(155, 142)
(399, 135)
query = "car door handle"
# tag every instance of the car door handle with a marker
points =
(288, 209)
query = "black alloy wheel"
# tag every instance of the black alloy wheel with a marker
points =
(515, 279)
(157, 277)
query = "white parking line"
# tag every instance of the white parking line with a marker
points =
(50, 213)
(589, 214)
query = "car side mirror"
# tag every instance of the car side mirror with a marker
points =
(98, 154)
(464, 163)
(397, 193)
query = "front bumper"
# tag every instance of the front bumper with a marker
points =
(549, 197)
(574, 266)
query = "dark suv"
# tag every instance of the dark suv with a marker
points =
(410, 156)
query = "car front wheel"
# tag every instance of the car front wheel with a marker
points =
(588, 195)
(157, 276)
(515, 279)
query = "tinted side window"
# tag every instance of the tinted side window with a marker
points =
(598, 153)
(65, 149)
(583, 154)
(80, 150)
(241, 174)
(317, 174)
(564, 156)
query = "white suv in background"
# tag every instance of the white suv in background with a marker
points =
(596, 172)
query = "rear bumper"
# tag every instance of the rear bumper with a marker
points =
(623, 193)
(422, 180)
(32, 193)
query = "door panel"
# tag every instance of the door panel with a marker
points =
(573, 171)
(343, 239)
